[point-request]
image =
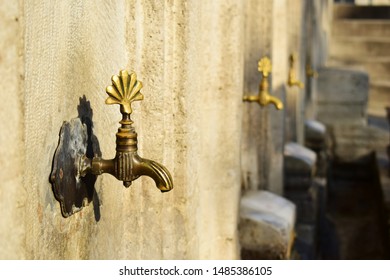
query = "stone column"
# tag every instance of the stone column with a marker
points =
(279, 57)
(263, 137)
(266, 231)
(189, 57)
(257, 43)
(295, 97)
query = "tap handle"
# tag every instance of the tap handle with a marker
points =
(264, 66)
(125, 89)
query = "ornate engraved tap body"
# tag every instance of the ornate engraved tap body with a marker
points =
(127, 164)
(264, 97)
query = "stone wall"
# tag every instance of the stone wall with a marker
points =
(189, 57)
(13, 190)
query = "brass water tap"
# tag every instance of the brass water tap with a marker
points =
(264, 97)
(310, 72)
(127, 164)
(72, 168)
(292, 77)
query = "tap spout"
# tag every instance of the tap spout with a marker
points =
(293, 82)
(127, 168)
(127, 165)
(276, 101)
(154, 170)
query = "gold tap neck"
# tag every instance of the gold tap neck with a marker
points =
(126, 120)
(265, 68)
(264, 85)
(292, 59)
(126, 137)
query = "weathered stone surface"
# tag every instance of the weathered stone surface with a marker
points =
(306, 204)
(354, 27)
(13, 189)
(342, 85)
(342, 95)
(266, 224)
(306, 241)
(354, 114)
(379, 98)
(353, 142)
(360, 37)
(69, 51)
(350, 47)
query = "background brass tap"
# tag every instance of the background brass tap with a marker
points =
(292, 77)
(264, 97)
(310, 72)
(127, 164)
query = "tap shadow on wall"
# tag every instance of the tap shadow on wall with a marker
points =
(76, 138)
(85, 113)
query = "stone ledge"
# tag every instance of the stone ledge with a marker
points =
(299, 160)
(315, 130)
(266, 227)
(315, 135)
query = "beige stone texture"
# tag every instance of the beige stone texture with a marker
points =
(189, 56)
(13, 189)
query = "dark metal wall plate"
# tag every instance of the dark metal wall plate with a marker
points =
(69, 188)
